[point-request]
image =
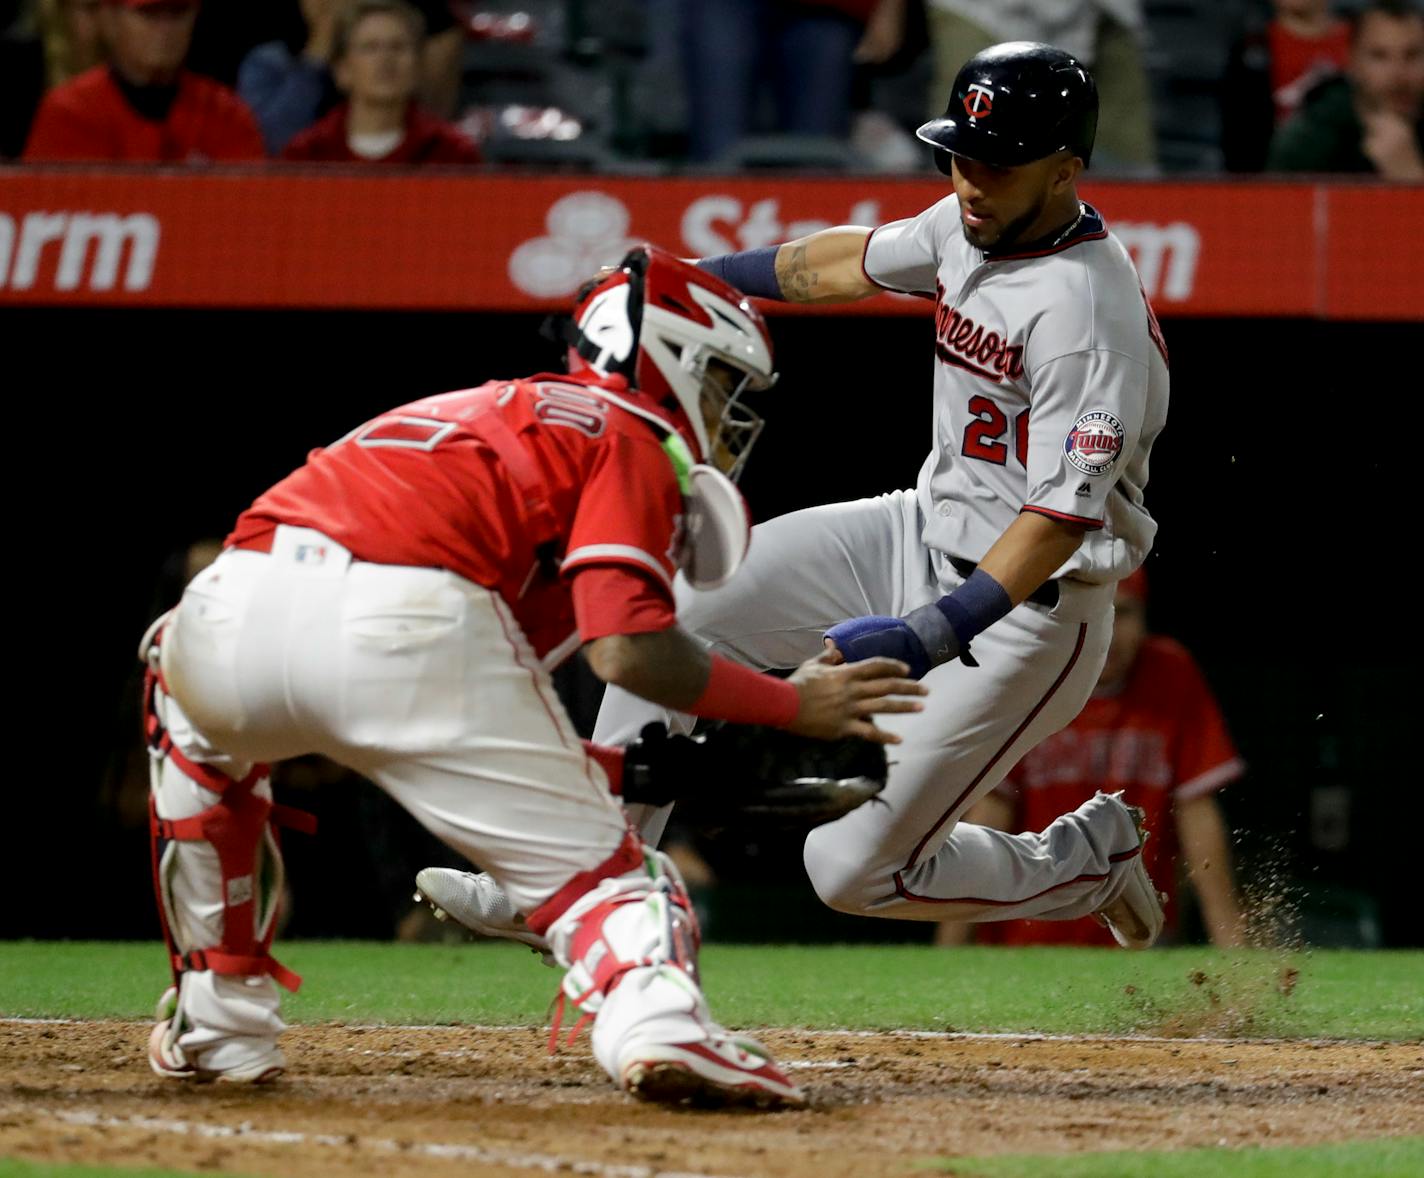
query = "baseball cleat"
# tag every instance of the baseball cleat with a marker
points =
(725, 1072)
(167, 1060)
(1135, 917)
(476, 901)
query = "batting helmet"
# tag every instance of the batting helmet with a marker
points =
(1015, 103)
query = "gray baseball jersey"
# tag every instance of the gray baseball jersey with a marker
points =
(1050, 386)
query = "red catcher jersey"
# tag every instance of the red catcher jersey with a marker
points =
(420, 486)
(1162, 739)
(89, 119)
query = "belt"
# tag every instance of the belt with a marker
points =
(1045, 595)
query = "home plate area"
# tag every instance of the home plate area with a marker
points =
(491, 1101)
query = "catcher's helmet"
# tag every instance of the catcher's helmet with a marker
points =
(659, 324)
(1015, 103)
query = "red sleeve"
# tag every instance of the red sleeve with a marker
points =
(619, 599)
(629, 509)
(305, 145)
(1204, 759)
(455, 148)
(241, 138)
(62, 132)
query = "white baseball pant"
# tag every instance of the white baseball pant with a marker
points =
(415, 678)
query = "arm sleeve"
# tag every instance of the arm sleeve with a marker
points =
(61, 132)
(904, 255)
(242, 140)
(455, 148)
(620, 599)
(629, 511)
(284, 92)
(1084, 423)
(1205, 758)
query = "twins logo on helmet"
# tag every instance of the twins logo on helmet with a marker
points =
(979, 101)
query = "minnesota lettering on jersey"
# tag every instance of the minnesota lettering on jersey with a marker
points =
(965, 344)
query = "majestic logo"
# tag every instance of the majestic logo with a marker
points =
(1094, 442)
(93, 248)
(965, 344)
(979, 101)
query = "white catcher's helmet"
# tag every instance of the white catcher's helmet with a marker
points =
(688, 345)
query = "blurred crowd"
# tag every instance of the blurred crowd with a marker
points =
(638, 85)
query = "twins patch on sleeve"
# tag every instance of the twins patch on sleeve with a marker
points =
(1094, 442)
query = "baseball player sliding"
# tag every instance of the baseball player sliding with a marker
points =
(994, 577)
(395, 604)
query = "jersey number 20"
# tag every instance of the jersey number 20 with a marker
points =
(983, 437)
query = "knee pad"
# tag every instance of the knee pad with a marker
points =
(239, 827)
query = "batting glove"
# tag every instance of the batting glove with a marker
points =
(870, 637)
(923, 639)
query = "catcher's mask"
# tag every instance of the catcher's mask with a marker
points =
(679, 348)
(685, 343)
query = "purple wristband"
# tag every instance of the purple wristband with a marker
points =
(752, 272)
(974, 606)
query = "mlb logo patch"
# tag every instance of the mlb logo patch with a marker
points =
(1094, 442)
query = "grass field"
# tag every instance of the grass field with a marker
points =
(1397, 1158)
(1331, 994)
(1179, 992)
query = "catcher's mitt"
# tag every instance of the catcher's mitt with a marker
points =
(741, 773)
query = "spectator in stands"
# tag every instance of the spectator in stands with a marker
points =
(807, 50)
(1105, 35)
(1153, 730)
(1270, 71)
(288, 91)
(442, 58)
(375, 59)
(1372, 119)
(21, 76)
(144, 106)
(72, 41)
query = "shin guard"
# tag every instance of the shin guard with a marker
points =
(218, 903)
(630, 947)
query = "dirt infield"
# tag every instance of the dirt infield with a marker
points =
(481, 1103)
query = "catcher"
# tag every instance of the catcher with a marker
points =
(395, 605)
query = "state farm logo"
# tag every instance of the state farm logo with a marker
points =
(80, 250)
(589, 230)
(1165, 256)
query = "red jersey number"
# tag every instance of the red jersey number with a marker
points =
(982, 437)
(561, 405)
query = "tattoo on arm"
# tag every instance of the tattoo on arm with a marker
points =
(797, 280)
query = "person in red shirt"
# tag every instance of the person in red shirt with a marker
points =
(1152, 730)
(395, 605)
(144, 106)
(1270, 71)
(376, 63)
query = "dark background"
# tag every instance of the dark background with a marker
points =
(1284, 560)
